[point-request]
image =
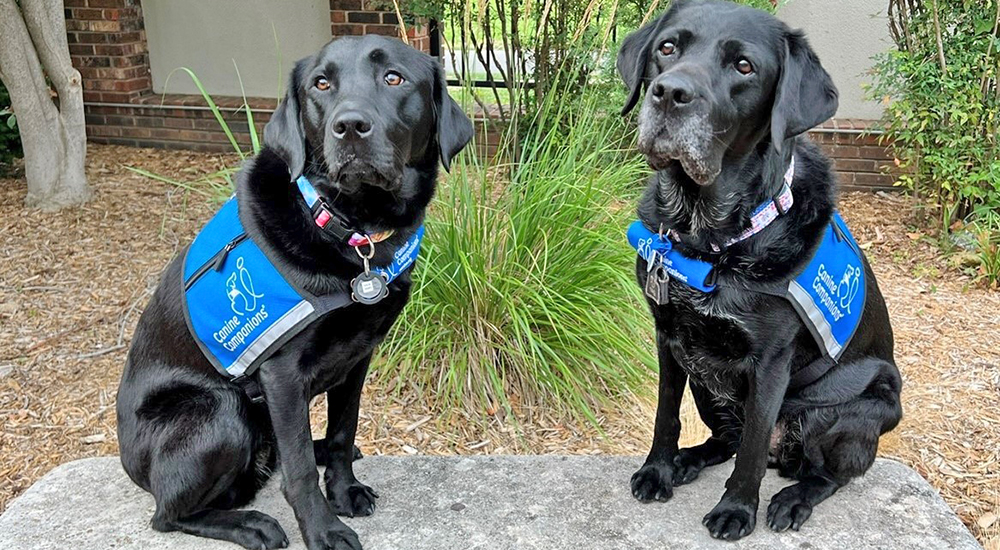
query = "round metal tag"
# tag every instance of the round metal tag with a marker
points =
(369, 288)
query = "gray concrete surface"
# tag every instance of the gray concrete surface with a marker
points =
(499, 503)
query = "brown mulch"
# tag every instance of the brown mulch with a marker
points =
(72, 285)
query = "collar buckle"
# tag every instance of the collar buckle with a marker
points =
(328, 220)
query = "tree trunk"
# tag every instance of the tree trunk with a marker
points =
(53, 137)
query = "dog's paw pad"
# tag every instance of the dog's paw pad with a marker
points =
(336, 538)
(653, 482)
(687, 466)
(261, 531)
(730, 522)
(788, 510)
(354, 500)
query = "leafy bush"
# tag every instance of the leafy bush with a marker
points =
(10, 140)
(524, 293)
(942, 114)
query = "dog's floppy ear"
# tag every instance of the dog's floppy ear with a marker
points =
(633, 58)
(805, 96)
(284, 132)
(454, 129)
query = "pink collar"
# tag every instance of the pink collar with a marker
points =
(766, 213)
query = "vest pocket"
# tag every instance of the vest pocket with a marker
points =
(216, 261)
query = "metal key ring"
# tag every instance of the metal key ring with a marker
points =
(371, 249)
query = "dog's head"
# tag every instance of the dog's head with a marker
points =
(720, 79)
(361, 110)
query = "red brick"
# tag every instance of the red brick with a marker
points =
(345, 4)
(364, 17)
(384, 30)
(874, 152)
(107, 3)
(874, 180)
(855, 165)
(348, 30)
(338, 16)
(88, 13)
(184, 123)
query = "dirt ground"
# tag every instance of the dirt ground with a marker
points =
(73, 283)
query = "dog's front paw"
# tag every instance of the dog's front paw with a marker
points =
(654, 481)
(788, 509)
(731, 520)
(687, 466)
(351, 500)
(335, 537)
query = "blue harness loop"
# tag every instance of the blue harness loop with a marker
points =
(655, 248)
(237, 304)
(828, 294)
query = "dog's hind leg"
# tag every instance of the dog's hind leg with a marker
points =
(195, 466)
(838, 442)
(348, 496)
(721, 446)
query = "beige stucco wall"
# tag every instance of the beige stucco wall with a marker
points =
(845, 34)
(207, 35)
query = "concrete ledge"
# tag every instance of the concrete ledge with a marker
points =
(500, 503)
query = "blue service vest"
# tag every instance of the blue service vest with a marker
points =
(239, 307)
(828, 294)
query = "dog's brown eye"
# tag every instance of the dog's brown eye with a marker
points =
(393, 78)
(322, 84)
(668, 48)
(744, 66)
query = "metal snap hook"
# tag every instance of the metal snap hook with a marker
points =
(371, 249)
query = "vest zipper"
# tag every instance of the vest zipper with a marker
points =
(217, 261)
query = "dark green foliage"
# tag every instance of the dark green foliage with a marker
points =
(942, 112)
(10, 141)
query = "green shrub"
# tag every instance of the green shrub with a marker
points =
(524, 293)
(942, 115)
(10, 140)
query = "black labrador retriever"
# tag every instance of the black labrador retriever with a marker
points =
(366, 121)
(729, 91)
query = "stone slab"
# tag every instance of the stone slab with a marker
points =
(500, 503)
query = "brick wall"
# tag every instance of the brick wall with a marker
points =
(358, 17)
(107, 44)
(861, 162)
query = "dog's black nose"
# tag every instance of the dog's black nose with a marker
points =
(672, 91)
(352, 125)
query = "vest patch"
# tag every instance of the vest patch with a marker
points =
(829, 294)
(239, 307)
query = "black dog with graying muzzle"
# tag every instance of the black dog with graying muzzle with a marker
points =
(302, 279)
(761, 298)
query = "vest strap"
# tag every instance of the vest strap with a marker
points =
(250, 386)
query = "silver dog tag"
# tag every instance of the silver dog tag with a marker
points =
(369, 288)
(658, 286)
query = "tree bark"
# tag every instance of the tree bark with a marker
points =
(53, 137)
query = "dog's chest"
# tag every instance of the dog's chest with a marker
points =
(709, 337)
(338, 342)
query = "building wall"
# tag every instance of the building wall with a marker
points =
(845, 34)
(207, 36)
